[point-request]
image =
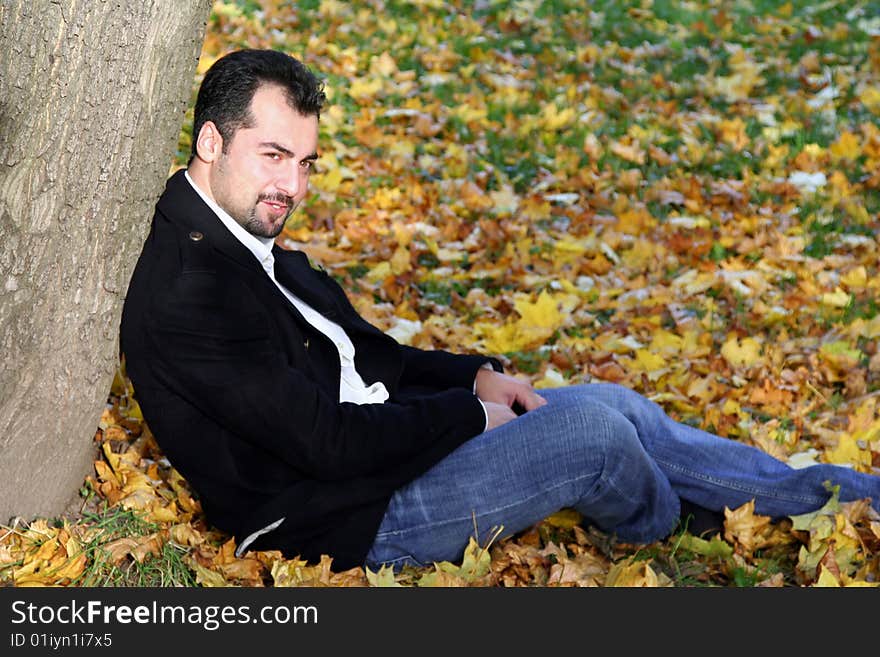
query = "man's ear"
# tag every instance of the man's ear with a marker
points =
(209, 142)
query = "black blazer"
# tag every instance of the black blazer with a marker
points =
(242, 394)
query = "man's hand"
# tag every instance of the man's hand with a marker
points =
(497, 388)
(497, 414)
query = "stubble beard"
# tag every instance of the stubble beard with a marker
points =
(252, 224)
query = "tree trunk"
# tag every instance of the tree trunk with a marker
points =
(92, 95)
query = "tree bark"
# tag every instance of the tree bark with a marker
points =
(92, 95)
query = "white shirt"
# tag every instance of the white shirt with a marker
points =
(352, 387)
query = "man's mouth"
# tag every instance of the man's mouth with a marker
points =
(275, 206)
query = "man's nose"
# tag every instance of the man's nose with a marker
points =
(288, 182)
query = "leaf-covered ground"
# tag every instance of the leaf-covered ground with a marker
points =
(681, 197)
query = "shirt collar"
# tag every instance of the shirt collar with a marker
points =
(261, 247)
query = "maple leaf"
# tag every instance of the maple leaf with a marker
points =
(832, 540)
(849, 451)
(741, 352)
(845, 147)
(209, 578)
(714, 547)
(473, 570)
(745, 529)
(585, 569)
(634, 573)
(384, 577)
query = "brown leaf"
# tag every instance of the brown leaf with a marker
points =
(248, 572)
(775, 580)
(745, 530)
(608, 371)
(139, 548)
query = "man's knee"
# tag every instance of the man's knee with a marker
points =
(589, 428)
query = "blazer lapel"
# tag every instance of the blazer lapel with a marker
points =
(293, 271)
(185, 207)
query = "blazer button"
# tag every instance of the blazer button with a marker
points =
(195, 236)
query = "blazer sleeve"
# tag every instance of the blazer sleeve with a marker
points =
(213, 347)
(442, 368)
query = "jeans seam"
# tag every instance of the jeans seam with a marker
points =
(400, 559)
(737, 487)
(450, 521)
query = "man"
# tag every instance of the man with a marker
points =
(304, 428)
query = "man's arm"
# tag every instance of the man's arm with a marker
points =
(441, 368)
(503, 397)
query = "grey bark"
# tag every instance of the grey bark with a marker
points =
(92, 96)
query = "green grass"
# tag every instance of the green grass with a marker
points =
(167, 568)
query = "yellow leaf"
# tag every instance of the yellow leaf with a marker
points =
(544, 312)
(501, 339)
(731, 407)
(743, 527)
(860, 583)
(848, 451)
(840, 355)
(743, 352)
(629, 152)
(592, 147)
(380, 272)
(665, 341)
(733, 132)
(838, 298)
(209, 578)
(826, 580)
(845, 148)
(474, 569)
(163, 513)
(385, 577)
(184, 534)
(328, 181)
(364, 88)
(552, 379)
(870, 98)
(556, 120)
(565, 518)
(855, 278)
(468, 113)
(648, 361)
(400, 261)
(631, 573)
(248, 571)
(384, 64)
(569, 247)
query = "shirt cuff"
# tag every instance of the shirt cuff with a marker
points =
(486, 413)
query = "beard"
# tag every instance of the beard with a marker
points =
(252, 224)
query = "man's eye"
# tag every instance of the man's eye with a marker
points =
(273, 156)
(307, 164)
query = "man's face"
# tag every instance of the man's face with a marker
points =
(264, 173)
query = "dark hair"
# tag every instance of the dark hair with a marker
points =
(230, 84)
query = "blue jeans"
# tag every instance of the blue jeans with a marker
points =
(608, 452)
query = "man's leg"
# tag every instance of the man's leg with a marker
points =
(573, 452)
(715, 472)
(610, 453)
